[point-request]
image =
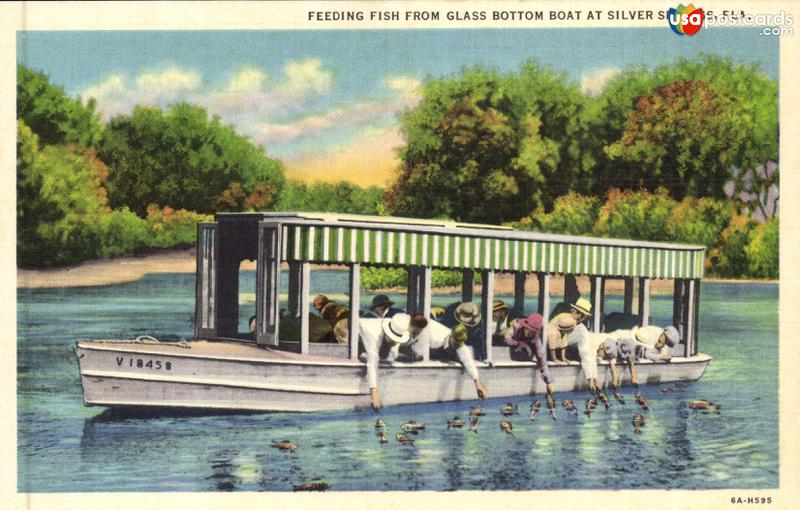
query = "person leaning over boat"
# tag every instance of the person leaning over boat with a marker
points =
(587, 343)
(381, 339)
(525, 336)
(467, 319)
(382, 308)
(501, 321)
(336, 315)
(623, 351)
(652, 338)
(438, 339)
(557, 340)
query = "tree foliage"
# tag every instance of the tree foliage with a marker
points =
(572, 214)
(52, 115)
(341, 197)
(763, 250)
(184, 160)
(486, 147)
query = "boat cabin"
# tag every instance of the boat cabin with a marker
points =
(292, 242)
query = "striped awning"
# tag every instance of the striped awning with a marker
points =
(511, 251)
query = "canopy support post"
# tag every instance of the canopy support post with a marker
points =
(355, 305)
(644, 301)
(519, 293)
(425, 302)
(628, 300)
(412, 290)
(691, 318)
(487, 299)
(302, 304)
(544, 307)
(598, 291)
(679, 307)
(295, 288)
(571, 292)
(467, 283)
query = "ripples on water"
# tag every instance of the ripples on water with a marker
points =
(63, 446)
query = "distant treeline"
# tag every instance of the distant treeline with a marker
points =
(684, 152)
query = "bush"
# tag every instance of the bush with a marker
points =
(762, 250)
(169, 228)
(699, 221)
(122, 232)
(636, 215)
(572, 214)
(728, 257)
(373, 278)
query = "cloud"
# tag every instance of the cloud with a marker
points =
(249, 79)
(114, 85)
(168, 82)
(594, 83)
(404, 85)
(305, 77)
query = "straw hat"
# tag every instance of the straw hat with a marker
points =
(584, 306)
(468, 314)
(566, 323)
(499, 305)
(396, 328)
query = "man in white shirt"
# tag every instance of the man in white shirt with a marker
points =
(381, 339)
(430, 335)
(661, 340)
(587, 343)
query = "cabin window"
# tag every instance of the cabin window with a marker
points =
(247, 298)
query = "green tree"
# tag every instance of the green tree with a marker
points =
(636, 215)
(748, 112)
(728, 256)
(699, 221)
(52, 115)
(572, 214)
(341, 197)
(763, 250)
(485, 147)
(183, 159)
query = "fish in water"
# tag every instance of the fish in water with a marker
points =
(285, 445)
(509, 409)
(638, 421)
(473, 424)
(588, 410)
(412, 426)
(506, 427)
(666, 390)
(569, 405)
(314, 485)
(593, 402)
(383, 437)
(603, 398)
(619, 397)
(704, 405)
(640, 398)
(535, 408)
(681, 385)
(404, 439)
(551, 405)
(476, 411)
(457, 423)
(380, 424)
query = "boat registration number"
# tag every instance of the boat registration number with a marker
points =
(152, 364)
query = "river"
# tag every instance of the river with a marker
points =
(66, 447)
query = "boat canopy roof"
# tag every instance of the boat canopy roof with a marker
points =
(386, 240)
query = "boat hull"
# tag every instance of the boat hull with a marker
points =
(222, 376)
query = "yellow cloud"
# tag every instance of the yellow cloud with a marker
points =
(369, 160)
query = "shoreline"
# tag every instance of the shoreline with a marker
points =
(131, 268)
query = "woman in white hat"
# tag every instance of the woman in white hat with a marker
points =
(652, 338)
(382, 339)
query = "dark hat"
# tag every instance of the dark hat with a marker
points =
(381, 300)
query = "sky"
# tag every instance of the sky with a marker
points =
(326, 102)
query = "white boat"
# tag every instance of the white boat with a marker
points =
(225, 369)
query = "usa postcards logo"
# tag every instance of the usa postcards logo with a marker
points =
(685, 20)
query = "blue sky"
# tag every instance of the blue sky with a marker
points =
(326, 102)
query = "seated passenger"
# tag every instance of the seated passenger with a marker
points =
(524, 336)
(338, 316)
(382, 307)
(556, 339)
(441, 341)
(662, 340)
(381, 339)
(468, 316)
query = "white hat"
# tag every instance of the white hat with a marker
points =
(396, 328)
